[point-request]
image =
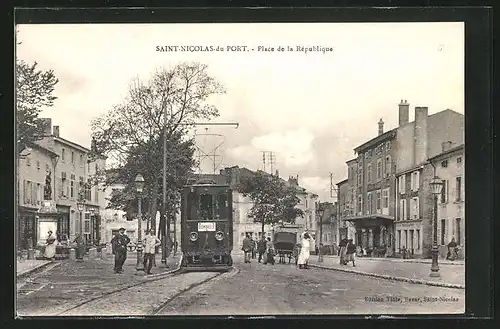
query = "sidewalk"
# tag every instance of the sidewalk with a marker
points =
(407, 270)
(27, 266)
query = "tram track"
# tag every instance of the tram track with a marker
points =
(164, 304)
(83, 307)
(152, 278)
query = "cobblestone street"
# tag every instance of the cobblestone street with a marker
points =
(250, 289)
(67, 282)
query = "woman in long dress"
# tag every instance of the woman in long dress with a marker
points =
(304, 251)
(50, 248)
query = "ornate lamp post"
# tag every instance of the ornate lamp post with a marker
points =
(436, 186)
(81, 207)
(320, 210)
(139, 185)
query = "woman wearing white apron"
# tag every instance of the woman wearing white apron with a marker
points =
(304, 251)
(50, 248)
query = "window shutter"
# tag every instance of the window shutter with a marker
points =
(412, 182)
(417, 180)
(403, 185)
(401, 210)
(417, 208)
(25, 193)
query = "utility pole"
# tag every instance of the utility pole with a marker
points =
(336, 190)
(164, 235)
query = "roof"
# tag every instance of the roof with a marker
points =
(352, 160)
(70, 143)
(385, 136)
(342, 182)
(43, 149)
(448, 152)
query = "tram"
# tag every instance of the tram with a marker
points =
(206, 227)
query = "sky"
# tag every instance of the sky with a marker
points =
(310, 109)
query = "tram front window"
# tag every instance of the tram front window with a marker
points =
(222, 206)
(206, 205)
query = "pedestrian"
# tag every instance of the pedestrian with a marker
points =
(254, 248)
(261, 247)
(50, 247)
(80, 247)
(342, 252)
(350, 251)
(452, 250)
(270, 252)
(247, 248)
(296, 252)
(119, 247)
(304, 251)
(150, 244)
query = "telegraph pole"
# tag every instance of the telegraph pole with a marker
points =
(336, 190)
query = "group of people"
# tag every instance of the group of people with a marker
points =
(266, 251)
(119, 245)
(347, 251)
(264, 247)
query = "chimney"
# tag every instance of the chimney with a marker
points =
(277, 173)
(446, 146)
(380, 127)
(55, 131)
(420, 135)
(47, 125)
(404, 112)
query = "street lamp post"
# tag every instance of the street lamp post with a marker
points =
(139, 185)
(436, 186)
(320, 251)
(81, 207)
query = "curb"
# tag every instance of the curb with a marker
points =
(175, 269)
(394, 278)
(33, 270)
(417, 261)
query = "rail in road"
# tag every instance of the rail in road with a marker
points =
(85, 307)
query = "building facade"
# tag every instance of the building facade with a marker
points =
(36, 167)
(450, 167)
(73, 181)
(416, 143)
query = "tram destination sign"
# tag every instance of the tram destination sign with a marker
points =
(206, 227)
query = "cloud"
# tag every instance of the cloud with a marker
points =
(320, 185)
(293, 146)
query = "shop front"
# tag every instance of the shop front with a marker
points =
(27, 229)
(92, 227)
(374, 234)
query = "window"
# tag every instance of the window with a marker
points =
(360, 204)
(96, 194)
(88, 191)
(444, 163)
(458, 189)
(444, 192)
(398, 239)
(459, 159)
(379, 169)
(47, 167)
(360, 177)
(38, 193)
(388, 146)
(206, 204)
(369, 173)
(63, 155)
(81, 160)
(415, 180)
(415, 211)
(387, 165)
(81, 188)
(412, 245)
(406, 239)
(366, 155)
(28, 161)
(63, 227)
(385, 198)
(72, 187)
(443, 231)
(369, 206)
(459, 231)
(379, 205)
(401, 184)
(38, 164)
(73, 157)
(402, 209)
(418, 239)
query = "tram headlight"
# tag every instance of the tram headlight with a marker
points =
(193, 236)
(219, 236)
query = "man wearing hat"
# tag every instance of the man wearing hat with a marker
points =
(119, 247)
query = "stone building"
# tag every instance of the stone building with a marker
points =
(416, 142)
(72, 182)
(449, 166)
(36, 167)
(393, 203)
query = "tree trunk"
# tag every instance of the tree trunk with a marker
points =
(154, 205)
(263, 227)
